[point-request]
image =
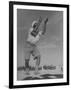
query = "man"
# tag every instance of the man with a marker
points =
(34, 35)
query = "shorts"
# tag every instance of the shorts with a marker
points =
(31, 49)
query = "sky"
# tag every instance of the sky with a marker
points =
(50, 45)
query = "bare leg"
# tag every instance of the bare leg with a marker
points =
(37, 64)
(27, 65)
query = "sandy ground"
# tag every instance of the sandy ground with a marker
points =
(48, 74)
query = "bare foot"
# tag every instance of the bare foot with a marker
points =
(36, 70)
(27, 71)
(36, 73)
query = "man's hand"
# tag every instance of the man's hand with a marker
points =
(46, 20)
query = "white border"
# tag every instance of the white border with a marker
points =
(15, 45)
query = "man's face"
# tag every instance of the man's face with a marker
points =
(35, 25)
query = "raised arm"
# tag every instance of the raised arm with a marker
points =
(44, 26)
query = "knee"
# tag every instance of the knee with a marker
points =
(37, 60)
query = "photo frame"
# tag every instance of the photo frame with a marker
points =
(53, 47)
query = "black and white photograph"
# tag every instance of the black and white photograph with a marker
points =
(39, 44)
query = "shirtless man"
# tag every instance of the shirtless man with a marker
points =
(34, 35)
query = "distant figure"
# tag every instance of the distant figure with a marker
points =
(34, 35)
